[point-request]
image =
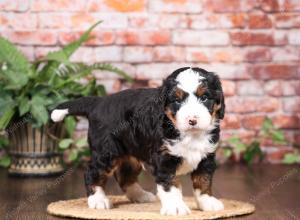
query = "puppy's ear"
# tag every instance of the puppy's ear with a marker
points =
(165, 90)
(220, 94)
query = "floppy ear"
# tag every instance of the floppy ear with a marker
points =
(221, 100)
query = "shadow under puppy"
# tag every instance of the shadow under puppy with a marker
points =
(174, 129)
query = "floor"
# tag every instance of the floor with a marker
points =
(274, 189)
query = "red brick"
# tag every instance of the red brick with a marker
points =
(206, 38)
(294, 37)
(156, 70)
(227, 55)
(270, 5)
(111, 86)
(228, 71)
(168, 54)
(250, 88)
(84, 54)
(287, 121)
(28, 52)
(108, 54)
(212, 21)
(280, 6)
(283, 88)
(58, 5)
(258, 55)
(246, 135)
(286, 54)
(230, 5)
(291, 104)
(97, 37)
(54, 20)
(138, 54)
(154, 83)
(253, 122)
(274, 71)
(287, 20)
(231, 121)
(273, 88)
(290, 88)
(277, 154)
(228, 87)
(126, 6)
(259, 21)
(252, 38)
(268, 104)
(32, 37)
(198, 55)
(251, 104)
(18, 21)
(164, 21)
(40, 52)
(240, 105)
(15, 5)
(181, 6)
(143, 37)
(128, 68)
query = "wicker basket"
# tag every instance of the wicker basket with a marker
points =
(34, 151)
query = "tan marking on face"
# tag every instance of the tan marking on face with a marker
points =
(170, 115)
(201, 90)
(216, 108)
(179, 93)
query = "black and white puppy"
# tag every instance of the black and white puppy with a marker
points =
(174, 129)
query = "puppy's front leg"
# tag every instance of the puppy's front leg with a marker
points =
(168, 191)
(202, 182)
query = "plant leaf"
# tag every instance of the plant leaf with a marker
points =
(291, 158)
(5, 161)
(73, 155)
(10, 55)
(82, 142)
(70, 125)
(278, 136)
(38, 109)
(24, 106)
(65, 143)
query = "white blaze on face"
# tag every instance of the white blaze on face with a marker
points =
(191, 108)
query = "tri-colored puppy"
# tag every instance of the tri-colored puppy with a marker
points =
(174, 129)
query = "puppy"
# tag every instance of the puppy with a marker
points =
(174, 129)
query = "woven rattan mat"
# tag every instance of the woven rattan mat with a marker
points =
(123, 209)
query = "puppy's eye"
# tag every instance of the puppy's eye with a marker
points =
(203, 98)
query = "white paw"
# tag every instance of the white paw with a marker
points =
(175, 208)
(171, 201)
(59, 114)
(99, 201)
(136, 194)
(209, 203)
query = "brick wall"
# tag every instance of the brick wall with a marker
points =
(254, 45)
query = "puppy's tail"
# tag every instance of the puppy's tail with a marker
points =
(81, 106)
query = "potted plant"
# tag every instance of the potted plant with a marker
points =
(28, 91)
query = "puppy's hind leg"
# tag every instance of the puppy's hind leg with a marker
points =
(95, 180)
(127, 177)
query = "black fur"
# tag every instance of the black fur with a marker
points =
(133, 122)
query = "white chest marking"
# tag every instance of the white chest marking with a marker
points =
(192, 148)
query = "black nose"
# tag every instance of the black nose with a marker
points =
(192, 122)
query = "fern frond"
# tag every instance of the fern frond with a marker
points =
(11, 56)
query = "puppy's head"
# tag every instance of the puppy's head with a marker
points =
(194, 99)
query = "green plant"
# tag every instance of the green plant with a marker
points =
(291, 158)
(34, 88)
(249, 151)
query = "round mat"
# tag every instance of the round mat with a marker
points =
(123, 209)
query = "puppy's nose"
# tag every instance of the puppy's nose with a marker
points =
(192, 122)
